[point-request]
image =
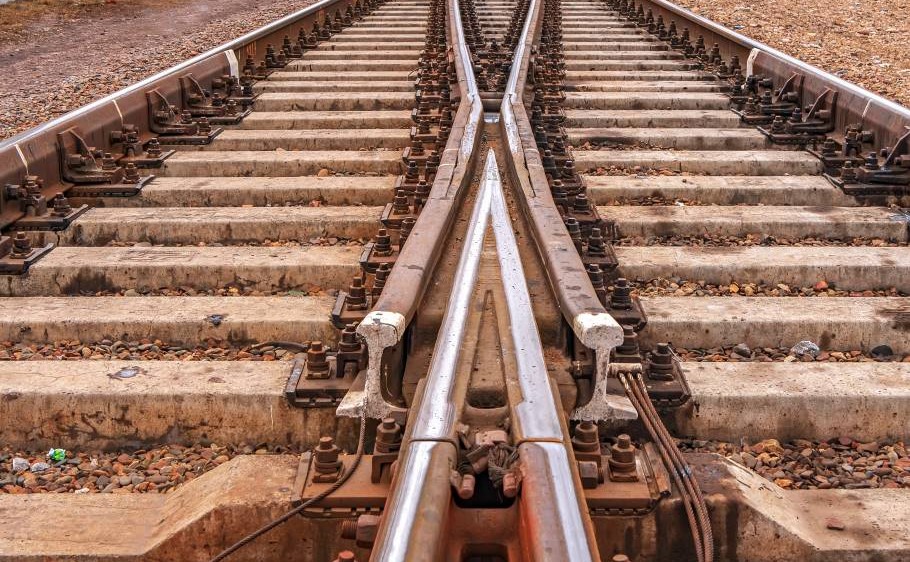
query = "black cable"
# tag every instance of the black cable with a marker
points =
(317, 498)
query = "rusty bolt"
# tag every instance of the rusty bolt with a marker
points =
(22, 246)
(327, 456)
(629, 345)
(510, 484)
(661, 367)
(357, 295)
(363, 530)
(131, 173)
(466, 486)
(621, 299)
(382, 244)
(589, 473)
(585, 438)
(388, 436)
(346, 556)
(317, 365)
(622, 456)
(61, 205)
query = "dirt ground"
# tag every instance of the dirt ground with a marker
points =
(865, 42)
(57, 55)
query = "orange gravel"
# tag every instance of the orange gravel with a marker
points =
(865, 42)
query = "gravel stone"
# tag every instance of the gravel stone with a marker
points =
(155, 470)
(862, 42)
(46, 71)
(803, 464)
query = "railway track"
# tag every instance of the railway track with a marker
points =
(496, 280)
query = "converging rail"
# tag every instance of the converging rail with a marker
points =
(461, 280)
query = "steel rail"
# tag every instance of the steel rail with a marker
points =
(413, 524)
(390, 316)
(590, 322)
(435, 417)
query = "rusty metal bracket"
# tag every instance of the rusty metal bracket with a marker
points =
(174, 126)
(93, 171)
(17, 254)
(800, 128)
(664, 379)
(128, 143)
(762, 109)
(38, 215)
(214, 107)
(885, 174)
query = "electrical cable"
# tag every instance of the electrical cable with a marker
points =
(315, 499)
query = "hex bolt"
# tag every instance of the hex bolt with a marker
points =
(621, 299)
(661, 367)
(629, 345)
(317, 365)
(327, 453)
(622, 456)
(400, 205)
(357, 295)
(61, 205)
(585, 438)
(22, 246)
(363, 530)
(382, 243)
(596, 244)
(388, 436)
(349, 341)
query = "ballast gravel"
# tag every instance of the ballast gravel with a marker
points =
(864, 42)
(801, 464)
(59, 62)
(157, 470)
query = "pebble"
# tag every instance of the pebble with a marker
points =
(828, 35)
(141, 350)
(663, 287)
(155, 470)
(803, 464)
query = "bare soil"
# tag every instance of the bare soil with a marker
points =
(864, 42)
(57, 55)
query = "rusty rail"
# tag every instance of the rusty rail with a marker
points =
(385, 325)
(588, 319)
(553, 513)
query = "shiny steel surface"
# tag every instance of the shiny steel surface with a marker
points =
(436, 415)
